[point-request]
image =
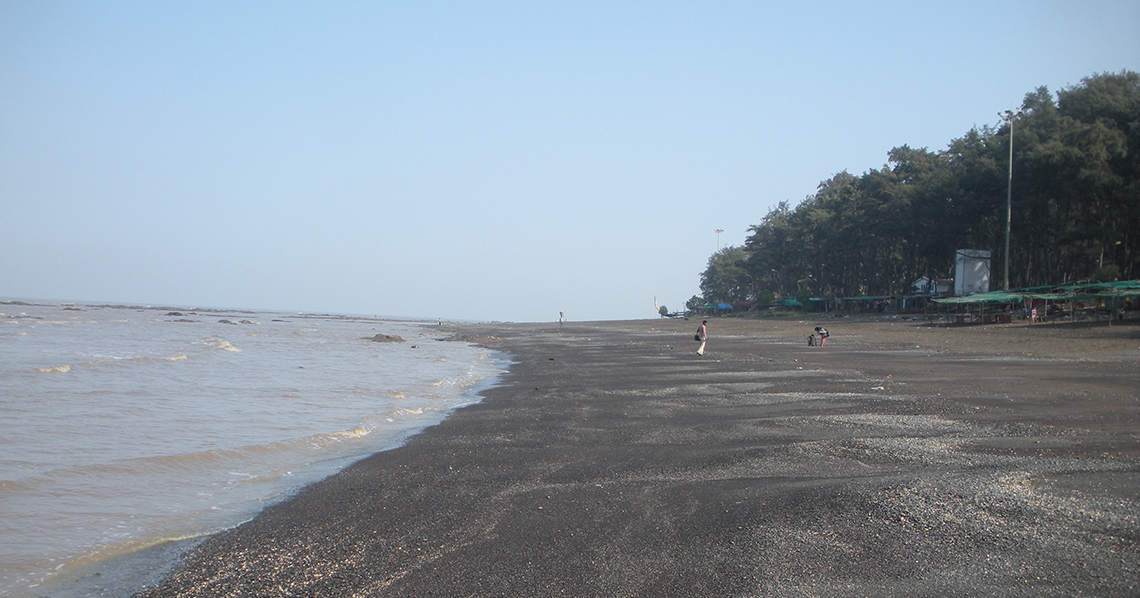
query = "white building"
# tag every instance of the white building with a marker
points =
(932, 286)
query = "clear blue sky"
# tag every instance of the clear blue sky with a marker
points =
(473, 160)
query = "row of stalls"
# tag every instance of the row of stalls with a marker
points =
(1091, 301)
(1112, 300)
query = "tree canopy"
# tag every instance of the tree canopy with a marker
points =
(1075, 207)
(726, 279)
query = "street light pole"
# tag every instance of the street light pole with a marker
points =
(718, 232)
(1009, 116)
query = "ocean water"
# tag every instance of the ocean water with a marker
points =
(123, 428)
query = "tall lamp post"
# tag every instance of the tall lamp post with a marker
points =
(718, 232)
(1009, 116)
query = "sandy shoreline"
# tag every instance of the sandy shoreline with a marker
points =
(901, 459)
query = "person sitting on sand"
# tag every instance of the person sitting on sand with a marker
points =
(823, 334)
(702, 335)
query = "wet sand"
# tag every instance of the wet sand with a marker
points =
(901, 459)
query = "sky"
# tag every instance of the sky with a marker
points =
(487, 161)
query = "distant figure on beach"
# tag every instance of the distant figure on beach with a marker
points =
(561, 318)
(811, 340)
(702, 336)
(823, 334)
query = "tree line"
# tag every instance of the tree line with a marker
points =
(1075, 208)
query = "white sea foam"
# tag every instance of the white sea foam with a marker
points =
(221, 344)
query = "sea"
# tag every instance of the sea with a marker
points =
(124, 429)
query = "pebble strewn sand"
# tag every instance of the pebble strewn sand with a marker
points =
(901, 459)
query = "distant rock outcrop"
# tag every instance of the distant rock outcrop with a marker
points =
(384, 338)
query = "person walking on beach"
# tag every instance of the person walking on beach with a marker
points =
(702, 335)
(823, 334)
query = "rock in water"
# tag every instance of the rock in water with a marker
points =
(384, 338)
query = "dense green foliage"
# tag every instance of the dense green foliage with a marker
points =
(1076, 207)
(727, 278)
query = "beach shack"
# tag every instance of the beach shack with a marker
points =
(932, 286)
(1070, 301)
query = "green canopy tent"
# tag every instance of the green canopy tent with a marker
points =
(1069, 293)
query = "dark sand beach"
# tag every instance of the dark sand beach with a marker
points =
(902, 459)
